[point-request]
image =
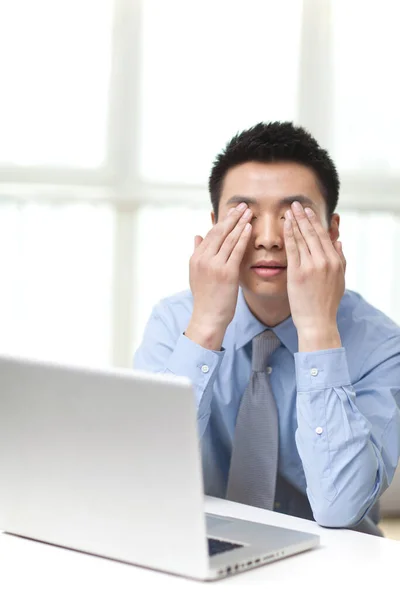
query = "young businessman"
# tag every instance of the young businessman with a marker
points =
(297, 381)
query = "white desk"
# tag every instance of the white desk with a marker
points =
(345, 559)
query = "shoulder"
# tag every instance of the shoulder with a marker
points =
(176, 309)
(365, 330)
(359, 315)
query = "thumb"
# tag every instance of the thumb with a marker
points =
(197, 241)
(339, 250)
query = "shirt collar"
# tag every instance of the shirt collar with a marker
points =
(247, 326)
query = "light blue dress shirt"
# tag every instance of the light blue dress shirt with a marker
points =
(339, 409)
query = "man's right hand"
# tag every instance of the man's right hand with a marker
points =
(214, 277)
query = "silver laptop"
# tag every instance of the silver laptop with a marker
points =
(107, 461)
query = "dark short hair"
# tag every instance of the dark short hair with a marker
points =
(276, 142)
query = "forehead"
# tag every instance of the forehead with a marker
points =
(269, 183)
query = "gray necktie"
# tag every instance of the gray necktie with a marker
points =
(254, 460)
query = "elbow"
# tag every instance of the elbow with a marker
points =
(344, 503)
(340, 513)
(331, 517)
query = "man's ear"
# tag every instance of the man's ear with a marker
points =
(213, 219)
(334, 227)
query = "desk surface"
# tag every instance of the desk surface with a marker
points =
(31, 569)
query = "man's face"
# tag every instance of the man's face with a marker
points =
(269, 190)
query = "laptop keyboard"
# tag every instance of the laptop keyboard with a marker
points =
(218, 546)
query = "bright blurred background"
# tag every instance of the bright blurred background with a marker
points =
(111, 112)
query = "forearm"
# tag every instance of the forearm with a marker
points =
(343, 466)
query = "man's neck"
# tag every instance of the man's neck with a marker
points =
(270, 311)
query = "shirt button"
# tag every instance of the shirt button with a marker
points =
(319, 430)
(205, 368)
(314, 372)
(269, 370)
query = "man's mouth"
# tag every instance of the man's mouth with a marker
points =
(267, 270)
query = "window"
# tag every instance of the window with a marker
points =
(56, 281)
(209, 69)
(111, 113)
(366, 93)
(55, 61)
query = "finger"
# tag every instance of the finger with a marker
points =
(232, 239)
(339, 249)
(238, 251)
(197, 241)
(307, 230)
(322, 233)
(216, 236)
(292, 252)
(302, 248)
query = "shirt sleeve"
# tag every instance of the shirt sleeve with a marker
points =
(348, 434)
(165, 349)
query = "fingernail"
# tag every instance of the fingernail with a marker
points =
(309, 212)
(296, 206)
(230, 211)
(241, 206)
(246, 214)
(288, 214)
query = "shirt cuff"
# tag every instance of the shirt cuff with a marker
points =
(321, 369)
(195, 362)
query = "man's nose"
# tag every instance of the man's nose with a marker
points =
(268, 233)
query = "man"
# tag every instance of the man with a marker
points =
(315, 432)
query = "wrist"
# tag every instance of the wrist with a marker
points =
(324, 337)
(209, 336)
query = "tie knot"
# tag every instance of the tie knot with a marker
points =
(264, 344)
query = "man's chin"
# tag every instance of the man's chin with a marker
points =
(266, 289)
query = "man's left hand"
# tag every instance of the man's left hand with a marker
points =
(315, 279)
